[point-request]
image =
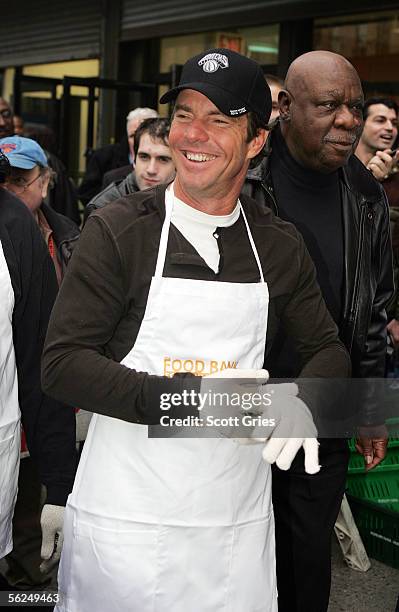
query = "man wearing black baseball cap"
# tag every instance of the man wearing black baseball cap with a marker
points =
(188, 273)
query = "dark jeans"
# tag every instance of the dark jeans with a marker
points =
(24, 560)
(306, 508)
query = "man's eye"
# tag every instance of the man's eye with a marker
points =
(329, 105)
(18, 182)
(143, 157)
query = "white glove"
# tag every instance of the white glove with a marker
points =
(241, 384)
(261, 376)
(51, 521)
(294, 429)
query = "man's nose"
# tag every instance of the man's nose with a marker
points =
(195, 131)
(2, 120)
(152, 166)
(346, 118)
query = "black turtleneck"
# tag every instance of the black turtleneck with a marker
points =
(311, 201)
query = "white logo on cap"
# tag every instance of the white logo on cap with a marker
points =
(213, 61)
(238, 111)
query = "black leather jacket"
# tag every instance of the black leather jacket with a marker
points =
(368, 277)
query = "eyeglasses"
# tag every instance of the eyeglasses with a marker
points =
(6, 113)
(20, 185)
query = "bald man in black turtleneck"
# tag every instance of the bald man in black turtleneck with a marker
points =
(319, 185)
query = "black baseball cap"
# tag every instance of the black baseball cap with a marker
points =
(233, 82)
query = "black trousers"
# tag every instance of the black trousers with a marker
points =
(306, 508)
(24, 560)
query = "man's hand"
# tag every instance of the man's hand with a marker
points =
(51, 520)
(295, 429)
(372, 443)
(381, 164)
(393, 330)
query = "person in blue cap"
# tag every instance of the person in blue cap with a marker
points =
(29, 180)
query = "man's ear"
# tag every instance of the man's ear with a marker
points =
(257, 143)
(45, 185)
(284, 104)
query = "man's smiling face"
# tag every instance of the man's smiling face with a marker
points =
(380, 128)
(210, 149)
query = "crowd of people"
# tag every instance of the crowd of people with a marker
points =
(252, 238)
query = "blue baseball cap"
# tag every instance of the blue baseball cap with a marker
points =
(23, 153)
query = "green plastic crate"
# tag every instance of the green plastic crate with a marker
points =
(374, 499)
(379, 529)
(389, 464)
(380, 485)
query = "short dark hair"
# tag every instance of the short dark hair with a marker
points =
(255, 124)
(157, 128)
(388, 102)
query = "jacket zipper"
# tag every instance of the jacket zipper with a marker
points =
(353, 307)
(270, 193)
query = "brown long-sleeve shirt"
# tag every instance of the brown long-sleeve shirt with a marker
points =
(102, 302)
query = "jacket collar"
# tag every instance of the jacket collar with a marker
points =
(63, 228)
(353, 175)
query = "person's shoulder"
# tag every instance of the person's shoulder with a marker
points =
(263, 218)
(19, 232)
(132, 210)
(361, 181)
(58, 221)
(13, 213)
(116, 175)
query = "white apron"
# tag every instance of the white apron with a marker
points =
(175, 525)
(10, 430)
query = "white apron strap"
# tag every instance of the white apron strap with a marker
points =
(163, 243)
(252, 242)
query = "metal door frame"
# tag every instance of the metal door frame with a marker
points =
(59, 121)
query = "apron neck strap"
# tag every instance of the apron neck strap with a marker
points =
(252, 242)
(163, 243)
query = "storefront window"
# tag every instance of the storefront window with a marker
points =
(260, 43)
(371, 42)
